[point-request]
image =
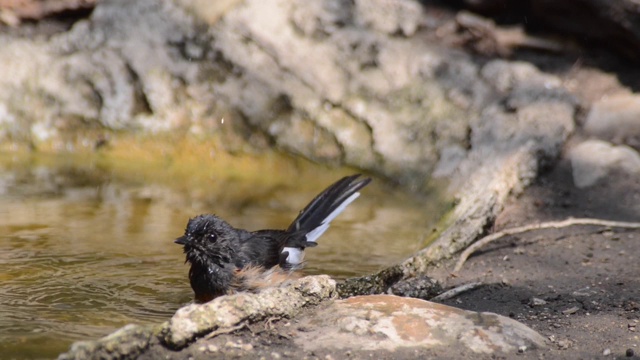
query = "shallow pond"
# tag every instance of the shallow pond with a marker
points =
(86, 248)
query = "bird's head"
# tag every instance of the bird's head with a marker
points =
(208, 238)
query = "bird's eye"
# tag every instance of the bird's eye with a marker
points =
(212, 237)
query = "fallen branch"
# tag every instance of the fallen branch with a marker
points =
(546, 225)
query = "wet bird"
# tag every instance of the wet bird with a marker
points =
(225, 260)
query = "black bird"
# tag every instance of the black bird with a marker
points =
(225, 260)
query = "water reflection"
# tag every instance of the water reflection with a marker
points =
(85, 252)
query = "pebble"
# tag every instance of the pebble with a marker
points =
(564, 344)
(537, 302)
(209, 348)
(571, 310)
(606, 352)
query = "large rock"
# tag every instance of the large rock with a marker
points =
(331, 81)
(386, 326)
(388, 322)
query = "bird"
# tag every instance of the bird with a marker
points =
(226, 260)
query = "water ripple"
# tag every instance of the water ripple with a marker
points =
(87, 256)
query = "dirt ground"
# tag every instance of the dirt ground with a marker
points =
(577, 286)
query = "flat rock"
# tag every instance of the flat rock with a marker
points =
(387, 322)
(593, 160)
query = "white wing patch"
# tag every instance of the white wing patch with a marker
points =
(315, 234)
(296, 255)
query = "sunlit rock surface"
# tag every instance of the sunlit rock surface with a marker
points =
(356, 325)
(390, 322)
(227, 311)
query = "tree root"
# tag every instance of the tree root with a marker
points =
(545, 225)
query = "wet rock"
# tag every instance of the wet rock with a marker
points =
(196, 320)
(593, 160)
(228, 311)
(126, 343)
(616, 119)
(370, 284)
(389, 322)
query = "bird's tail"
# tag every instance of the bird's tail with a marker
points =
(315, 218)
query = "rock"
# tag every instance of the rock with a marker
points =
(389, 322)
(593, 160)
(390, 16)
(228, 311)
(196, 320)
(616, 119)
(537, 302)
(126, 343)
(370, 284)
(420, 287)
(331, 81)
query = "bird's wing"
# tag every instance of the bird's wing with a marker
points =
(263, 248)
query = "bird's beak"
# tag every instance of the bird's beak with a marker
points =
(182, 240)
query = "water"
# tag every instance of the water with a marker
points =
(86, 249)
